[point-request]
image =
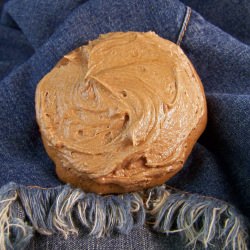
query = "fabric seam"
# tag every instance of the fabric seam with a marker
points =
(184, 25)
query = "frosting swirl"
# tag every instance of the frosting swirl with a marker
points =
(125, 109)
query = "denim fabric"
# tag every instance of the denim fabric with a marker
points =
(34, 35)
(230, 15)
(142, 239)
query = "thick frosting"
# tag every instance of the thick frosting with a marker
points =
(125, 109)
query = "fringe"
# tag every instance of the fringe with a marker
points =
(52, 210)
(14, 232)
(197, 218)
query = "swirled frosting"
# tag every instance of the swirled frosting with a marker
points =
(121, 113)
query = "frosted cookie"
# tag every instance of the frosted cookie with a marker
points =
(122, 113)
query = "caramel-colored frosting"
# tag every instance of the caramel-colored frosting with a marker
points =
(124, 110)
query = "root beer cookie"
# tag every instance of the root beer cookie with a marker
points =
(122, 113)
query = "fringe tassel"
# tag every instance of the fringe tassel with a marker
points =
(14, 232)
(200, 219)
(52, 210)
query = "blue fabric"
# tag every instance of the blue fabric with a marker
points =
(142, 239)
(230, 15)
(34, 35)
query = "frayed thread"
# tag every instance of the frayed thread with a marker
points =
(102, 215)
(60, 209)
(199, 219)
(14, 232)
(64, 209)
